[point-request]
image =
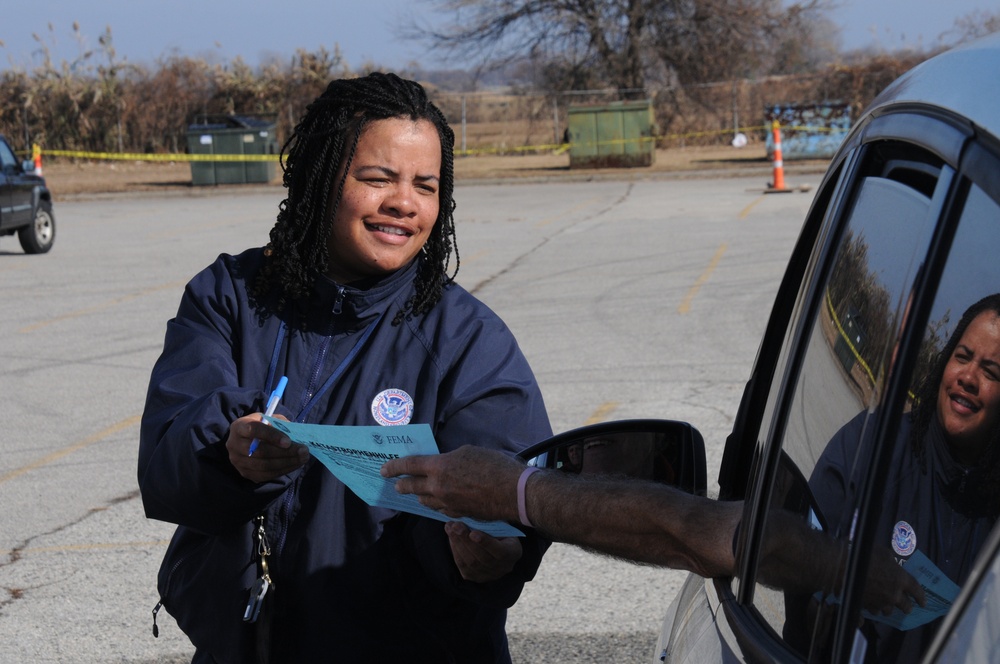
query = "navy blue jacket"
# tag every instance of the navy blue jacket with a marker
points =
(350, 582)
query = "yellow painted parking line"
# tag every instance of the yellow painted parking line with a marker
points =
(86, 442)
(746, 211)
(89, 547)
(602, 412)
(686, 304)
(100, 307)
(549, 220)
(471, 259)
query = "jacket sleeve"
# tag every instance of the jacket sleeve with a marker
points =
(195, 391)
(489, 395)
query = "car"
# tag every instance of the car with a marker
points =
(844, 449)
(25, 203)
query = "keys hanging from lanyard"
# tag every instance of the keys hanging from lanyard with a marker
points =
(263, 583)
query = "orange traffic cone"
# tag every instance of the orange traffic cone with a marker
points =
(779, 166)
(36, 156)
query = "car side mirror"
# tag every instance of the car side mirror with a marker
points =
(28, 167)
(663, 451)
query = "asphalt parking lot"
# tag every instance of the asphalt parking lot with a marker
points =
(642, 298)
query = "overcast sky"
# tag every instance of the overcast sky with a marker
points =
(144, 30)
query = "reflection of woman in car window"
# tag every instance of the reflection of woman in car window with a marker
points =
(941, 494)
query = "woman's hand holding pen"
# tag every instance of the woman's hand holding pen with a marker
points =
(275, 456)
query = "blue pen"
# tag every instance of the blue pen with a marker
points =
(272, 403)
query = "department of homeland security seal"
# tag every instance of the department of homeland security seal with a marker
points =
(392, 407)
(904, 540)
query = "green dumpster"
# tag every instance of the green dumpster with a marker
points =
(232, 137)
(619, 134)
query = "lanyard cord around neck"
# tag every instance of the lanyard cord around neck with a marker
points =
(358, 345)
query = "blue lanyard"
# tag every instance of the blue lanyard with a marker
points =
(271, 371)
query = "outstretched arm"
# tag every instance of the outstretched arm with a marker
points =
(641, 521)
(631, 519)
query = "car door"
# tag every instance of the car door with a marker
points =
(15, 191)
(900, 241)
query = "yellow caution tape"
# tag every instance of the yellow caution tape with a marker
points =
(558, 148)
(140, 156)
(847, 339)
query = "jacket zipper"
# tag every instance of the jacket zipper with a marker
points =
(338, 305)
(286, 503)
(170, 578)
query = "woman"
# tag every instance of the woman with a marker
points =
(941, 495)
(352, 301)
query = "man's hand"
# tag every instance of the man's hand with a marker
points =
(798, 559)
(470, 481)
(479, 557)
(890, 586)
(275, 455)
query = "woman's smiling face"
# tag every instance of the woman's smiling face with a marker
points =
(969, 394)
(390, 202)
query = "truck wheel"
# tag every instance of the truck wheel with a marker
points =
(37, 237)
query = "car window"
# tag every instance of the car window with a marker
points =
(847, 345)
(934, 513)
(7, 158)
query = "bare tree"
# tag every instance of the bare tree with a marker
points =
(624, 42)
(974, 25)
(718, 40)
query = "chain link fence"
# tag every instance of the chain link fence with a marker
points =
(709, 114)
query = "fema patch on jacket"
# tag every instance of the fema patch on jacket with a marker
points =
(904, 540)
(392, 407)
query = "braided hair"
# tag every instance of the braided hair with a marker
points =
(984, 479)
(323, 142)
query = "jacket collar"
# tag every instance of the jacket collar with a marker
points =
(962, 485)
(366, 298)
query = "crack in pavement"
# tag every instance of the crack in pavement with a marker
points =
(544, 241)
(15, 554)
